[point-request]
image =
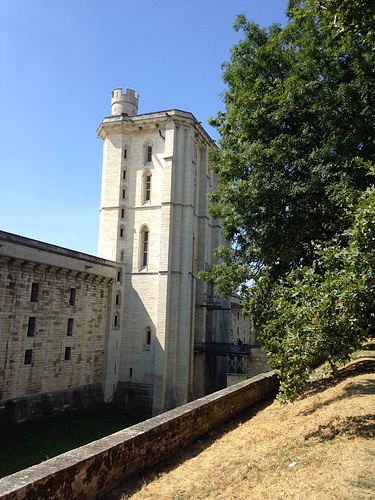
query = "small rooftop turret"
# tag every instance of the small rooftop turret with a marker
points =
(124, 103)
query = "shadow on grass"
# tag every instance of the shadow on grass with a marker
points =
(358, 426)
(352, 389)
(360, 367)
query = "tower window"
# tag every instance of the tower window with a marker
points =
(31, 327)
(148, 188)
(144, 246)
(34, 292)
(68, 353)
(117, 299)
(122, 213)
(121, 232)
(28, 356)
(147, 339)
(69, 330)
(147, 151)
(124, 174)
(116, 321)
(72, 298)
(119, 276)
(125, 154)
(123, 194)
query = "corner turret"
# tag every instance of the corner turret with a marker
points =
(124, 103)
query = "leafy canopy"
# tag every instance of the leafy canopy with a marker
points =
(296, 133)
(325, 309)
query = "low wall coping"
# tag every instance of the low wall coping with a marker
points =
(75, 474)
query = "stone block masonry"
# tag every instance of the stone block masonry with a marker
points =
(93, 470)
(154, 223)
(53, 326)
(46, 404)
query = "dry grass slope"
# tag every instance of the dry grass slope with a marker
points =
(321, 447)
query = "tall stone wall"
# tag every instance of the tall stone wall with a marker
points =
(53, 322)
(241, 326)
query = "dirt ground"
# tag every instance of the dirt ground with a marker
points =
(321, 447)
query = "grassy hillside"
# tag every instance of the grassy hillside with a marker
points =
(321, 447)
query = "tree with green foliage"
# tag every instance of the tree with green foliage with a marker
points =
(297, 134)
(321, 310)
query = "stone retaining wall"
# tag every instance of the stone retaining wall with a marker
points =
(92, 470)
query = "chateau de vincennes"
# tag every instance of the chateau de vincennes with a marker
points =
(133, 326)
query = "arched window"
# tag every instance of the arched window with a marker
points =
(144, 246)
(123, 193)
(122, 232)
(125, 152)
(116, 321)
(117, 299)
(119, 276)
(122, 213)
(147, 151)
(124, 174)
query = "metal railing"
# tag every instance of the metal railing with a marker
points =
(225, 348)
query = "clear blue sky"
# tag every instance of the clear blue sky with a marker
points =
(60, 61)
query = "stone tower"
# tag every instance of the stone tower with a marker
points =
(154, 223)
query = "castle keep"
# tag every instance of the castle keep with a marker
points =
(154, 223)
(134, 325)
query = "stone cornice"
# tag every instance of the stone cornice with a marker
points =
(37, 253)
(158, 120)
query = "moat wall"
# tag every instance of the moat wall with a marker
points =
(90, 471)
(48, 404)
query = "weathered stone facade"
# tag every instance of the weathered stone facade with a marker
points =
(130, 321)
(53, 321)
(241, 367)
(155, 224)
(240, 325)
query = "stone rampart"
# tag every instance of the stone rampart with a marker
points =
(92, 470)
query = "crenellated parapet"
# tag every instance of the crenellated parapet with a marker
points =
(124, 103)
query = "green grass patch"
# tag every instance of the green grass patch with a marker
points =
(30, 443)
(364, 482)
